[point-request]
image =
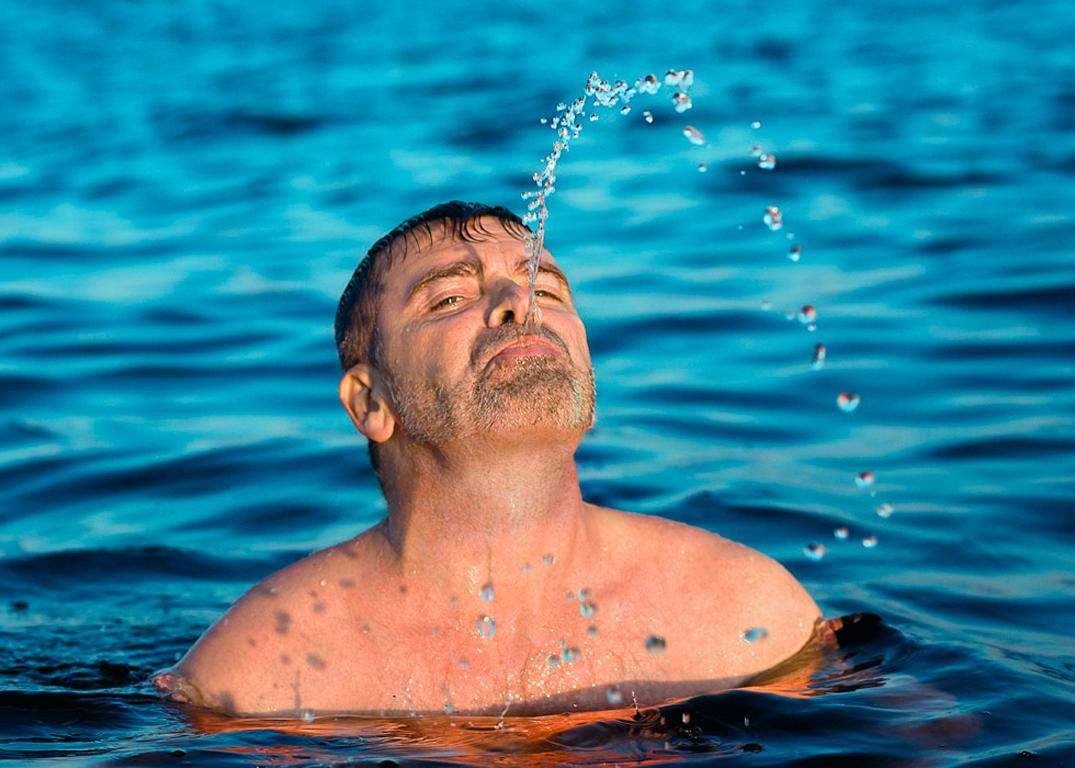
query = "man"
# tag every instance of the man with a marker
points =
(491, 584)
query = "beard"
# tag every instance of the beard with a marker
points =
(530, 392)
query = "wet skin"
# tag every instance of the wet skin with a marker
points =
(388, 622)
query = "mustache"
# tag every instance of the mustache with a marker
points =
(488, 345)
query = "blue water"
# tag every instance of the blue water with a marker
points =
(185, 188)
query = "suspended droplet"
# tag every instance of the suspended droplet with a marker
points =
(486, 592)
(464, 663)
(585, 594)
(766, 305)
(527, 567)
(756, 124)
(593, 117)
(682, 101)
(818, 361)
(672, 77)
(848, 401)
(548, 558)
(486, 626)
(795, 252)
(571, 655)
(561, 107)
(544, 121)
(655, 645)
(448, 708)
(773, 219)
(756, 151)
(648, 115)
(814, 551)
(587, 609)
(870, 541)
(841, 532)
(864, 479)
(649, 85)
(592, 631)
(625, 109)
(569, 596)
(554, 661)
(754, 634)
(885, 510)
(767, 162)
(807, 314)
(694, 136)
(307, 716)
(615, 695)
(702, 168)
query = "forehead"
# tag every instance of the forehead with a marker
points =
(486, 240)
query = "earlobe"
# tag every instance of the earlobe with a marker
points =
(363, 398)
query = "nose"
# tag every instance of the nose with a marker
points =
(509, 304)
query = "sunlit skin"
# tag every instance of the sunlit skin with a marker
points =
(387, 622)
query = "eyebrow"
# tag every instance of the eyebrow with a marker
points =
(464, 268)
(546, 269)
(469, 267)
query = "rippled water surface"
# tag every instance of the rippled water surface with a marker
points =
(185, 188)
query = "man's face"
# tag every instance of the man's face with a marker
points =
(456, 354)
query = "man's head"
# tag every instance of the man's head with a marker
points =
(431, 332)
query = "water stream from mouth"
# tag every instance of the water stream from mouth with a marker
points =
(567, 122)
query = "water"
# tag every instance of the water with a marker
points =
(186, 189)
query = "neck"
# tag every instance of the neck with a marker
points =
(462, 515)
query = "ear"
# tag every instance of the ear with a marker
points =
(362, 395)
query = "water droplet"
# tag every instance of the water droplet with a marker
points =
(864, 479)
(702, 168)
(435, 632)
(742, 173)
(807, 314)
(848, 401)
(694, 136)
(682, 101)
(766, 305)
(672, 77)
(625, 109)
(549, 558)
(767, 162)
(885, 510)
(592, 631)
(593, 117)
(585, 594)
(307, 716)
(773, 219)
(756, 151)
(448, 708)
(544, 121)
(464, 663)
(486, 592)
(553, 661)
(814, 551)
(486, 626)
(841, 532)
(615, 695)
(527, 567)
(571, 655)
(569, 596)
(647, 115)
(587, 609)
(755, 634)
(869, 542)
(655, 645)
(561, 107)
(795, 252)
(818, 361)
(756, 124)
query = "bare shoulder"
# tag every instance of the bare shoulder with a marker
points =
(728, 592)
(276, 636)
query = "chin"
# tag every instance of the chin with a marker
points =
(537, 392)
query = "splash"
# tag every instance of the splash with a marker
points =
(568, 125)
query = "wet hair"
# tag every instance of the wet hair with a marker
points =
(356, 314)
